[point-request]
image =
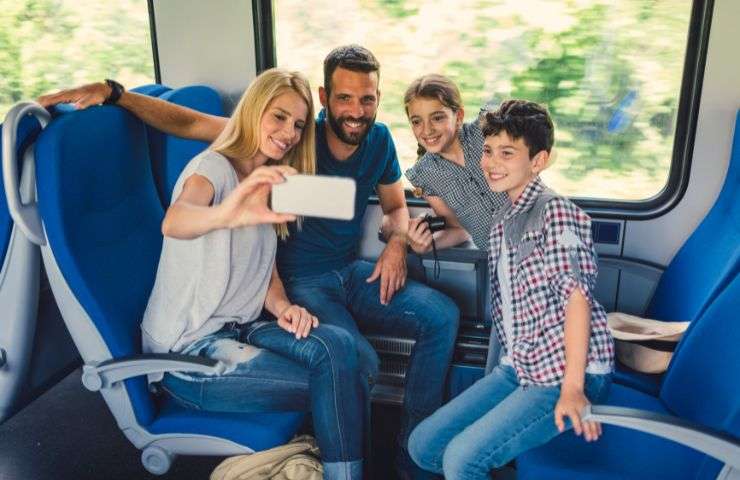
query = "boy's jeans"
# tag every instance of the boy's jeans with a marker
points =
(318, 373)
(490, 424)
(344, 298)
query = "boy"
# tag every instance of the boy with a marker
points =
(553, 332)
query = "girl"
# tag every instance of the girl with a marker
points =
(217, 273)
(558, 352)
(448, 173)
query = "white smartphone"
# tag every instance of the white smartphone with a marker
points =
(315, 196)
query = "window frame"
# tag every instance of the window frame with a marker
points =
(697, 41)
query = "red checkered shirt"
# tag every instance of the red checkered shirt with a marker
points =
(550, 252)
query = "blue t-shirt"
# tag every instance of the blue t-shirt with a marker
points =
(322, 245)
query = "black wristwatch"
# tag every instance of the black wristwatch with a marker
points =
(116, 90)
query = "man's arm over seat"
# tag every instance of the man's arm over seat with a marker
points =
(164, 116)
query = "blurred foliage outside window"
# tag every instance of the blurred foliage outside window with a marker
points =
(46, 45)
(609, 71)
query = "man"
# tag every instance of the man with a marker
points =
(318, 263)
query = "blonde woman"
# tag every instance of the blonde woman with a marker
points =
(217, 287)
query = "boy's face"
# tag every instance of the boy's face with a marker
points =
(507, 166)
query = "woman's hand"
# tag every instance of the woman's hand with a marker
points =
(297, 320)
(247, 204)
(420, 238)
(570, 404)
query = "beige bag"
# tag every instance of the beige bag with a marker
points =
(641, 342)
(297, 460)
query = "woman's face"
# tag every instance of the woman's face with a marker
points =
(282, 125)
(435, 126)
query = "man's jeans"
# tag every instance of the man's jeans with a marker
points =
(318, 373)
(490, 424)
(344, 298)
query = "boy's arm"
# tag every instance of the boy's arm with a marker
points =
(576, 337)
(165, 116)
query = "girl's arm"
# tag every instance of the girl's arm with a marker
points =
(193, 214)
(420, 238)
(291, 318)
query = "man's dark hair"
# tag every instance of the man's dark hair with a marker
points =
(521, 119)
(350, 57)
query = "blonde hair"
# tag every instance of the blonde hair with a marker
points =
(240, 139)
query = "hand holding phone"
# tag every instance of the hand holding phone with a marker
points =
(315, 196)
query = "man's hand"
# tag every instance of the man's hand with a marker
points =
(391, 268)
(297, 320)
(247, 204)
(420, 238)
(81, 97)
(570, 404)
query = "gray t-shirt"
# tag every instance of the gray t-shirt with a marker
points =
(205, 282)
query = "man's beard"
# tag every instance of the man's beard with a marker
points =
(350, 139)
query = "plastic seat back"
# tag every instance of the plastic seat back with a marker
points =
(709, 259)
(102, 217)
(169, 153)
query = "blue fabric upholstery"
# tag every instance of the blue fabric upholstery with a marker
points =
(701, 269)
(709, 259)
(259, 431)
(152, 89)
(644, 382)
(169, 153)
(102, 217)
(28, 129)
(619, 454)
(700, 386)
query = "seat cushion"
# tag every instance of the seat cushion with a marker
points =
(643, 382)
(620, 453)
(258, 431)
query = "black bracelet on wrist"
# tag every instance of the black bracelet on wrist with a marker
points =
(116, 90)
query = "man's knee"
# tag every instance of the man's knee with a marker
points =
(440, 314)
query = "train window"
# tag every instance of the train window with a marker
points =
(610, 72)
(51, 44)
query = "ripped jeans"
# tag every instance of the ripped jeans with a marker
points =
(317, 374)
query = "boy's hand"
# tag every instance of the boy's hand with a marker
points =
(570, 404)
(297, 320)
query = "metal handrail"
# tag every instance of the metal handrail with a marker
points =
(25, 215)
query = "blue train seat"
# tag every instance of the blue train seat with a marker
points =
(20, 273)
(702, 268)
(101, 227)
(169, 153)
(698, 404)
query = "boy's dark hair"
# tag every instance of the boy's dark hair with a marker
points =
(521, 119)
(350, 57)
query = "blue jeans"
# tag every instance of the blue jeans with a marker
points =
(344, 298)
(490, 424)
(318, 373)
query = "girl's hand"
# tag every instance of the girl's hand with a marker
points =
(297, 320)
(570, 404)
(420, 238)
(247, 204)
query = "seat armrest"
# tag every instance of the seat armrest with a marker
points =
(109, 372)
(718, 445)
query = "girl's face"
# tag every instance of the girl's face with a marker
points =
(434, 125)
(282, 125)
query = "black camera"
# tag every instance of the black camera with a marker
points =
(435, 224)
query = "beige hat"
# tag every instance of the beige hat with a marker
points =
(644, 344)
